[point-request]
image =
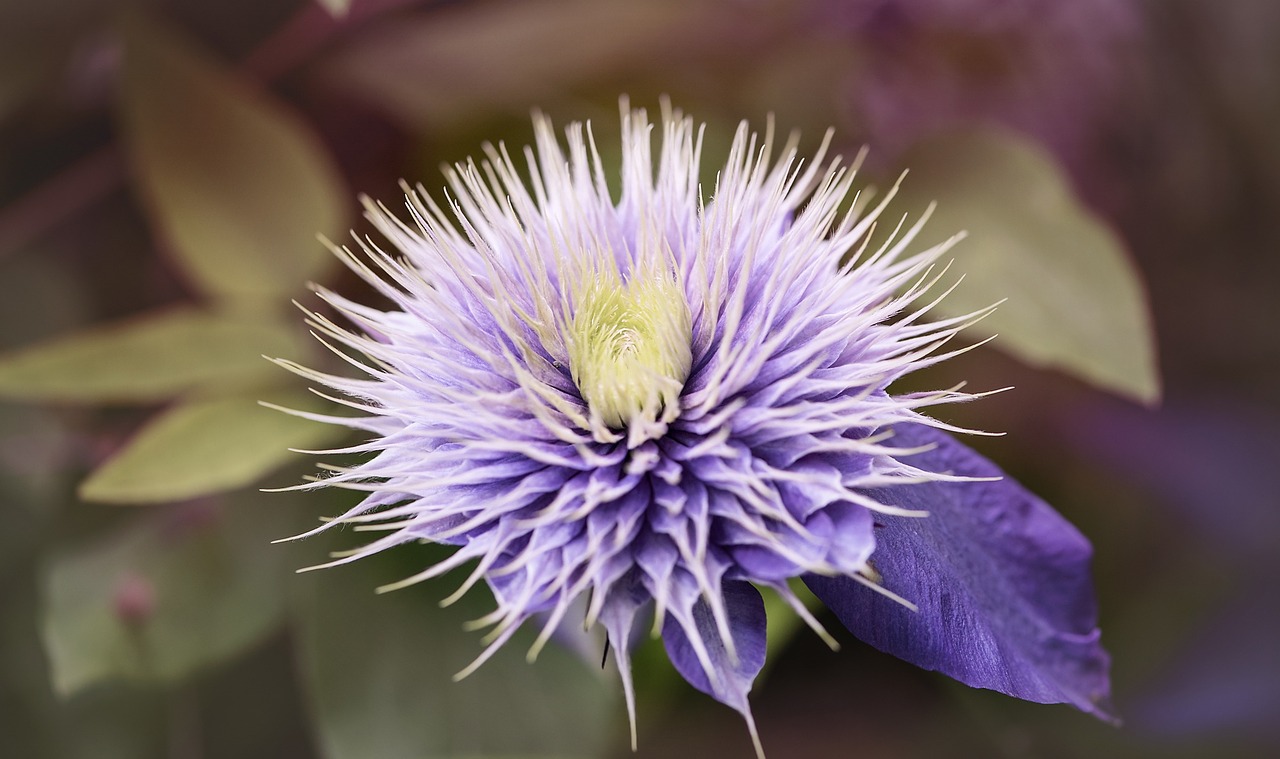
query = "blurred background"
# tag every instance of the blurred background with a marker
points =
(165, 168)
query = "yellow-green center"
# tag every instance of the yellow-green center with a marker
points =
(629, 346)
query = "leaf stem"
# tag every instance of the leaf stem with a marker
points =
(91, 178)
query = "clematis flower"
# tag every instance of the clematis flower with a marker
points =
(657, 405)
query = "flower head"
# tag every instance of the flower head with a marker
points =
(663, 402)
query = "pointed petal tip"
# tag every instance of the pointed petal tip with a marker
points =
(1001, 582)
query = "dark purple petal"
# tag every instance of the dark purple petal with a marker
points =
(732, 682)
(1000, 578)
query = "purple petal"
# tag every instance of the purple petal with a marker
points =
(618, 615)
(730, 680)
(1000, 578)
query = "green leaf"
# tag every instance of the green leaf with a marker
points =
(152, 358)
(206, 446)
(234, 180)
(1075, 300)
(379, 668)
(184, 589)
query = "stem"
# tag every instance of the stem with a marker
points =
(59, 197)
(91, 178)
(186, 738)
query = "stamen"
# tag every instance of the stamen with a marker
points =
(630, 346)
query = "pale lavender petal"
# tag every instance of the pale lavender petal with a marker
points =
(618, 615)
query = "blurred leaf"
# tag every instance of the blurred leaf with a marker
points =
(27, 705)
(148, 359)
(235, 181)
(43, 296)
(207, 446)
(336, 8)
(509, 55)
(1075, 301)
(37, 459)
(184, 589)
(34, 42)
(118, 721)
(379, 670)
(22, 71)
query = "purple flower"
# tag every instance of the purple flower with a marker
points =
(663, 403)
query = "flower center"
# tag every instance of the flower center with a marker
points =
(629, 346)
